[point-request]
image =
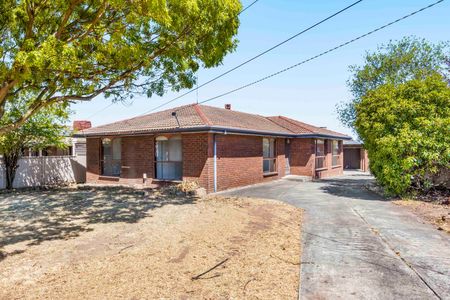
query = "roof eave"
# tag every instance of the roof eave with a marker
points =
(214, 129)
(211, 129)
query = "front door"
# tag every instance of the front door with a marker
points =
(287, 155)
(169, 158)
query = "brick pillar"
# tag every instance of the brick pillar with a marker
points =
(92, 159)
(197, 153)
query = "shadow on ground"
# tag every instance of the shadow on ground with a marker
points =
(36, 216)
(351, 186)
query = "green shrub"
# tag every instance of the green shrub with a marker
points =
(406, 130)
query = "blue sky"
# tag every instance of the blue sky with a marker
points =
(310, 92)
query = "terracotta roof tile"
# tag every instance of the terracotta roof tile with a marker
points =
(239, 120)
(202, 116)
(298, 127)
(163, 120)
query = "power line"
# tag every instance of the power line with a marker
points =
(256, 56)
(109, 105)
(321, 54)
(247, 7)
(101, 110)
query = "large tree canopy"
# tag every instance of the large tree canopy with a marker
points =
(405, 129)
(394, 63)
(55, 51)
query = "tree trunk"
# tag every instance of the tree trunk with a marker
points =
(11, 164)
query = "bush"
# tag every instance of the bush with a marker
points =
(186, 187)
(406, 130)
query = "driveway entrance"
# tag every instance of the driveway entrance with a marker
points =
(358, 246)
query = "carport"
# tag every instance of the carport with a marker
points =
(355, 156)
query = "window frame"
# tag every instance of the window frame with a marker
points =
(175, 163)
(320, 158)
(273, 170)
(335, 158)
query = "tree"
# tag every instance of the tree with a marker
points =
(57, 51)
(43, 129)
(448, 70)
(394, 63)
(405, 129)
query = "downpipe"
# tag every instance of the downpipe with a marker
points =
(215, 162)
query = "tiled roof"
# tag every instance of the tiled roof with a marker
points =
(195, 116)
(187, 118)
(226, 118)
(298, 127)
(353, 143)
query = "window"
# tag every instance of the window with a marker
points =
(80, 149)
(169, 158)
(111, 156)
(269, 156)
(336, 153)
(320, 154)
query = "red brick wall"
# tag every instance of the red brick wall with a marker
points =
(330, 169)
(240, 161)
(138, 154)
(197, 159)
(138, 157)
(302, 156)
(281, 157)
(303, 159)
(92, 159)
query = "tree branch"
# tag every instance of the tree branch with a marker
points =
(99, 14)
(29, 26)
(30, 112)
(66, 17)
(4, 90)
(39, 103)
(50, 99)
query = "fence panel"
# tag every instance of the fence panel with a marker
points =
(45, 170)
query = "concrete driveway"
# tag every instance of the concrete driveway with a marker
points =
(358, 246)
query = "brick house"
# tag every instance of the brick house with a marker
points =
(218, 148)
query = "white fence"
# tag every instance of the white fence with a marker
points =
(46, 170)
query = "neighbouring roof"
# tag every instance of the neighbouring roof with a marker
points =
(196, 117)
(352, 143)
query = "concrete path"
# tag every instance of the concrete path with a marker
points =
(358, 246)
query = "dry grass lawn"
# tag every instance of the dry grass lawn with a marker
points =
(119, 243)
(434, 213)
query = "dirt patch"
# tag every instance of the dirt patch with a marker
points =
(216, 248)
(436, 214)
